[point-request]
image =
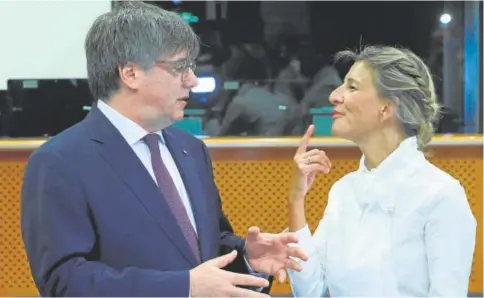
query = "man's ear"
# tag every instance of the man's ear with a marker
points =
(130, 75)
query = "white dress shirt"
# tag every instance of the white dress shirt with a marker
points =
(134, 134)
(404, 228)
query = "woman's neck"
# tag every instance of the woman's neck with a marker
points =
(379, 146)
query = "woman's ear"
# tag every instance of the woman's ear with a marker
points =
(388, 108)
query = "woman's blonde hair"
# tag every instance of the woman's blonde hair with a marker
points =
(402, 77)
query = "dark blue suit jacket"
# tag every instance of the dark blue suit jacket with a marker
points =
(94, 222)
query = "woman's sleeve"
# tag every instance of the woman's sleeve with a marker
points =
(311, 280)
(450, 236)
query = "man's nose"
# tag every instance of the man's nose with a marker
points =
(191, 79)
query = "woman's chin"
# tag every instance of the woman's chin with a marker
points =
(336, 131)
(340, 132)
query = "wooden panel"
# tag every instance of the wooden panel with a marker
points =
(253, 183)
(15, 277)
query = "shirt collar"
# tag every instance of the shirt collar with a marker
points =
(130, 130)
(404, 154)
(378, 185)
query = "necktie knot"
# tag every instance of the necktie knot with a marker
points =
(151, 140)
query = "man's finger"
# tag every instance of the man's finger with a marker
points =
(246, 280)
(303, 144)
(253, 233)
(281, 276)
(293, 265)
(224, 260)
(287, 238)
(297, 252)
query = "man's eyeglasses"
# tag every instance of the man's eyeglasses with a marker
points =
(178, 67)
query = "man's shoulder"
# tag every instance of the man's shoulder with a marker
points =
(71, 141)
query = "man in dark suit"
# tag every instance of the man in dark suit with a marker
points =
(121, 204)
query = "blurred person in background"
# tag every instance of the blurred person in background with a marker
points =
(213, 50)
(323, 77)
(229, 71)
(398, 225)
(287, 68)
(256, 110)
(124, 204)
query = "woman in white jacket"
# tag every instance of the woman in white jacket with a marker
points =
(397, 226)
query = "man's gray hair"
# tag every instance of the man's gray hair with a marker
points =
(399, 75)
(133, 32)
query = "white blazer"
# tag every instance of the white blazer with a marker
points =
(402, 229)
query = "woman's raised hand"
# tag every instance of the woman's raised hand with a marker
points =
(306, 165)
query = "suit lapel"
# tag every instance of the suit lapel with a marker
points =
(186, 164)
(119, 155)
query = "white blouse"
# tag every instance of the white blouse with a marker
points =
(402, 229)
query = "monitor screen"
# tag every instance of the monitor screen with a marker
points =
(41, 108)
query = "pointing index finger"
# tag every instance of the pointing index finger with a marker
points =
(303, 145)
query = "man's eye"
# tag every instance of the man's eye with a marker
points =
(179, 67)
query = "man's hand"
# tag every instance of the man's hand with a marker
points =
(270, 253)
(208, 280)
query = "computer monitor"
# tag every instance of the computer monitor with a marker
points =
(3, 111)
(45, 107)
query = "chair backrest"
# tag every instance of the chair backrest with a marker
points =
(323, 120)
(192, 122)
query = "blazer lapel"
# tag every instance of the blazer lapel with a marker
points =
(186, 163)
(119, 155)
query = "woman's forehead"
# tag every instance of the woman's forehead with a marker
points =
(359, 73)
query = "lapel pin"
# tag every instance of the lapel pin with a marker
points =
(185, 152)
